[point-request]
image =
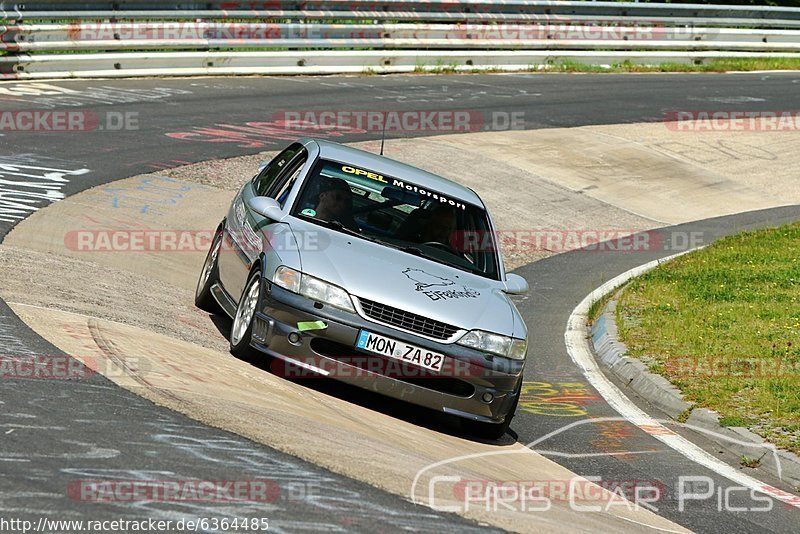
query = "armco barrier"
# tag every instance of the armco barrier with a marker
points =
(170, 37)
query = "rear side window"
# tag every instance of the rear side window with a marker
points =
(272, 172)
(280, 188)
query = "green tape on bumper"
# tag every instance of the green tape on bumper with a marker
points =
(312, 325)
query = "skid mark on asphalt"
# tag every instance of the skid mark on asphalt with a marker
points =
(11, 343)
(51, 96)
(258, 134)
(26, 186)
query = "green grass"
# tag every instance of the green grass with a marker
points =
(723, 324)
(439, 68)
(626, 66)
(598, 307)
(717, 65)
(752, 463)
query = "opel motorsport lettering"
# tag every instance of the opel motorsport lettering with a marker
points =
(393, 302)
(403, 185)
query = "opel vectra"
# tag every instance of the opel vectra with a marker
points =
(353, 266)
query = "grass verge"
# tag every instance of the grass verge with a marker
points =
(716, 65)
(723, 325)
(719, 65)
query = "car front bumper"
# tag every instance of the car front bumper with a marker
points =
(472, 385)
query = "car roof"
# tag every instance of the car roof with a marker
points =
(395, 169)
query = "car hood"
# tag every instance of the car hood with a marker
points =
(382, 274)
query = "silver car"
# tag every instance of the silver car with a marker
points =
(338, 262)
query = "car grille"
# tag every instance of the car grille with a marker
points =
(407, 320)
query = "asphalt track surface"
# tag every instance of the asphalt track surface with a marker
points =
(57, 432)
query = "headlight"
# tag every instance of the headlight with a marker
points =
(313, 288)
(287, 278)
(316, 289)
(495, 343)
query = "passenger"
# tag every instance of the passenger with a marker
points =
(440, 226)
(437, 224)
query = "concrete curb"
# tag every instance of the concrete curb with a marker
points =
(611, 353)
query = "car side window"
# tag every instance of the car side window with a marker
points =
(280, 188)
(270, 174)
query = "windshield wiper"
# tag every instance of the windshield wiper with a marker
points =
(415, 251)
(422, 254)
(336, 225)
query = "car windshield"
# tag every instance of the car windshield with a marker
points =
(399, 214)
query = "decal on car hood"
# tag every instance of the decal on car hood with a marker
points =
(426, 281)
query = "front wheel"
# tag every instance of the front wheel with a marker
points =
(242, 330)
(209, 276)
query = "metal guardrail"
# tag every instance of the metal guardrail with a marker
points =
(168, 37)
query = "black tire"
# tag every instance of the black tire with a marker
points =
(492, 431)
(209, 276)
(242, 328)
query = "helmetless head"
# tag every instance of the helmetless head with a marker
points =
(335, 199)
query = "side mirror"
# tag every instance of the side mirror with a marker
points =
(516, 285)
(268, 207)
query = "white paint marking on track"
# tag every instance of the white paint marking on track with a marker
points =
(578, 348)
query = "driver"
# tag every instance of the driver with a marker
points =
(335, 202)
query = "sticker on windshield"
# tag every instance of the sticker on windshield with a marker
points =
(309, 212)
(361, 172)
(426, 193)
(405, 185)
(424, 281)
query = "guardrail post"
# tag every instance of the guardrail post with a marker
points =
(9, 35)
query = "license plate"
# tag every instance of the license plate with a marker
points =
(400, 350)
